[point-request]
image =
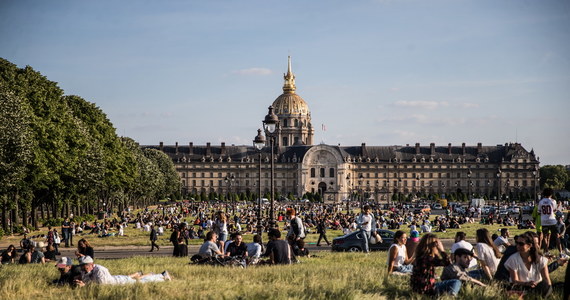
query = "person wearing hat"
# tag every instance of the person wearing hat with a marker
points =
(94, 273)
(458, 269)
(68, 272)
(33, 255)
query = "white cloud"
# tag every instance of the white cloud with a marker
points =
(423, 120)
(254, 71)
(421, 104)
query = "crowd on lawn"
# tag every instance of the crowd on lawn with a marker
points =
(522, 266)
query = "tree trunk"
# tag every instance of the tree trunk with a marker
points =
(24, 216)
(4, 219)
(34, 216)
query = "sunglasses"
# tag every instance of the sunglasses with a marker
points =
(521, 243)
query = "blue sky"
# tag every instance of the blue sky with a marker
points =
(380, 72)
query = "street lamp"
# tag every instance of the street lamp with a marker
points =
(258, 143)
(468, 184)
(360, 191)
(270, 124)
(349, 188)
(508, 189)
(229, 182)
(498, 188)
(534, 175)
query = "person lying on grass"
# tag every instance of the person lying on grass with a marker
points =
(97, 274)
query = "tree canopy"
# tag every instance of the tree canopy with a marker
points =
(61, 153)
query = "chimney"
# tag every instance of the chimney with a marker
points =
(417, 148)
(176, 147)
(363, 149)
(463, 148)
(432, 148)
(223, 148)
(161, 146)
(479, 148)
(191, 148)
(208, 150)
(449, 148)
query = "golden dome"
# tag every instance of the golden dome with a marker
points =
(289, 102)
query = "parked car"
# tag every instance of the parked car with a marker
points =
(527, 210)
(437, 206)
(503, 212)
(514, 210)
(352, 242)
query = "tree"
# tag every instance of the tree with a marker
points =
(554, 177)
(16, 147)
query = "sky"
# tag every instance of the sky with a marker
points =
(378, 72)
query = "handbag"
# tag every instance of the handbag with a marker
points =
(56, 239)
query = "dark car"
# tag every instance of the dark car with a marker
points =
(352, 242)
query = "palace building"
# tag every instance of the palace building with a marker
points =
(337, 172)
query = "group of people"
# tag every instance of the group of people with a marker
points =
(33, 252)
(277, 251)
(521, 267)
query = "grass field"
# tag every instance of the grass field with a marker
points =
(328, 276)
(137, 237)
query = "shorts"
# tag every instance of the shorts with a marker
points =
(549, 228)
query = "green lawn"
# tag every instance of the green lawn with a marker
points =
(328, 276)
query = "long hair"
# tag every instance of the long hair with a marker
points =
(483, 237)
(535, 251)
(85, 243)
(426, 245)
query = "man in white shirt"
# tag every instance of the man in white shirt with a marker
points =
(367, 225)
(460, 242)
(547, 208)
(502, 242)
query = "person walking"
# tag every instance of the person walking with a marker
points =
(367, 225)
(153, 239)
(322, 231)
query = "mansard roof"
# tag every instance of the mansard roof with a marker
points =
(385, 154)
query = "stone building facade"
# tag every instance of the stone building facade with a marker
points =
(337, 172)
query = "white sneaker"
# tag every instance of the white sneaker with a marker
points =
(563, 256)
(567, 251)
(166, 276)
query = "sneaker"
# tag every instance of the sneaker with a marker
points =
(166, 276)
(567, 251)
(563, 256)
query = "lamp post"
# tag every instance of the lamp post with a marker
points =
(498, 188)
(270, 124)
(534, 175)
(360, 196)
(349, 188)
(489, 189)
(468, 184)
(229, 182)
(258, 143)
(508, 189)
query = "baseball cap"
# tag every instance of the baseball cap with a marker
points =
(85, 260)
(62, 262)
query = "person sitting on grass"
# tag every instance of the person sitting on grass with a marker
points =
(429, 255)
(84, 249)
(237, 248)
(255, 249)
(527, 268)
(97, 274)
(398, 260)
(457, 270)
(9, 255)
(210, 247)
(278, 250)
(33, 256)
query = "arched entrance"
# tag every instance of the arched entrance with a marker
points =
(322, 190)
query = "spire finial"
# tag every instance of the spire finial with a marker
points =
(289, 86)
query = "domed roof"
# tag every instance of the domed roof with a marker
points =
(290, 103)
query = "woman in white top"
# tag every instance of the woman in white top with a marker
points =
(527, 268)
(487, 253)
(398, 260)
